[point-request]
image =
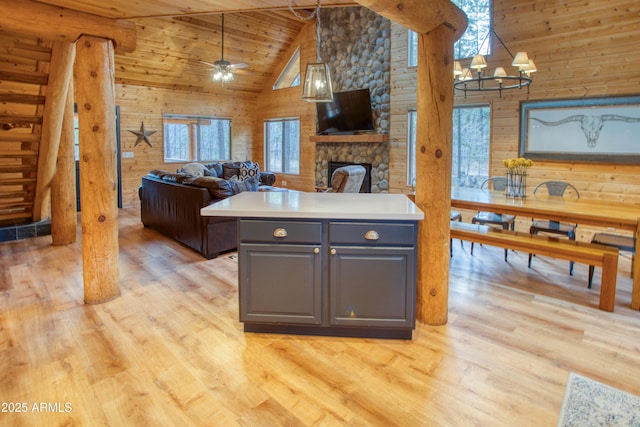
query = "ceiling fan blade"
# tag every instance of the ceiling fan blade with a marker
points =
(211, 64)
(240, 65)
(243, 71)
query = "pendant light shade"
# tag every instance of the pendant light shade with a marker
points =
(317, 83)
(475, 79)
(317, 80)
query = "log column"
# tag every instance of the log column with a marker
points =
(60, 74)
(94, 71)
(433, 171)
(439, 23)
(64, 220)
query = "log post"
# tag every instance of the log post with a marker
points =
(434, 133)
(60, 74)
(95, 92)
(64, 220)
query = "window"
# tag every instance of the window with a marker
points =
(474, 40)
(193, 138)
(290, 76)
(282, 145)
(470, 147)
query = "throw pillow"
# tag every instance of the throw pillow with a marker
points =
(215, 169)
(195, 169)
(230, 169)
(249, 184)
(249, 170)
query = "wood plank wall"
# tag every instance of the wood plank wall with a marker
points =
(287, 103)
(139, 104)
(581, 49)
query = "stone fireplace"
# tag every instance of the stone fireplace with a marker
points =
(375, 154)
(356, 43)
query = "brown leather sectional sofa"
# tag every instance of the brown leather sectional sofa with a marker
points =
(172, 207)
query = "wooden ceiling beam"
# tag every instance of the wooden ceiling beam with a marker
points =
(57, 23)
(419, 15)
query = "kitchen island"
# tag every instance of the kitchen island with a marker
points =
(325, 263)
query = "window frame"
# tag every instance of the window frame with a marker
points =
(267, 145)
(411, 142)
(483, 42)
(287, 72)
(195, 123)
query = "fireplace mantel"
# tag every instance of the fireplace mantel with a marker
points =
(365, 137)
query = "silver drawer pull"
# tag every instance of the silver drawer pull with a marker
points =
(316, 250)
(371, 235)
(279, 232)
(333, 252)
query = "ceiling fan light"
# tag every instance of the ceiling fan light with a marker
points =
(317, 83)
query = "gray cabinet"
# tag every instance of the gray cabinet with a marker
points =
(327, 277)
(280, 271)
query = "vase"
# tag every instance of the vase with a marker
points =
(516, 184)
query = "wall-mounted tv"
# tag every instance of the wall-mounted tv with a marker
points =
(349, 113)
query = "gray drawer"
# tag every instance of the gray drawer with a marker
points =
(292, 231)
(354, 233)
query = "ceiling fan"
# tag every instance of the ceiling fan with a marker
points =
(223, 70)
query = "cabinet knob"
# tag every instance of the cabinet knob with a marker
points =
(371, 235)
(333, 251)
(316, 250)
(280, 232)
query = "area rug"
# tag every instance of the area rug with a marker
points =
(590, 403)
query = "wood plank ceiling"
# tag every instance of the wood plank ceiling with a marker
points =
(173, 37)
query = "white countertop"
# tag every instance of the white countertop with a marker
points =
(296, 204)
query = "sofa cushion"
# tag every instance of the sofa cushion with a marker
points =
(249, 170)
(218, 188)
(195, 169)
(176, 177)
(249, 184)
(158, 173)
(215, 169)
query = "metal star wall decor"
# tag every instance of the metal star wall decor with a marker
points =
(143, 135)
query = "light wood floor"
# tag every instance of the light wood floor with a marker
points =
(170, 350)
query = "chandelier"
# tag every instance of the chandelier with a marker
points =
(474, 78)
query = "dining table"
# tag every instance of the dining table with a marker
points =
(607, 214)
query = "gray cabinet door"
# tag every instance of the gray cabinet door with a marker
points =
(280, 283)
(372, 286)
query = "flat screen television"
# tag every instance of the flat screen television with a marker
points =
(349, 113)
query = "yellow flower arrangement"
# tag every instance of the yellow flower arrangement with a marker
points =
(520, 164)
(517, 176)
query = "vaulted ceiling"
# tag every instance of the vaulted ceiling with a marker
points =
(173, 37)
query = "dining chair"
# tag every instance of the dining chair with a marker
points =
(623, 243)
(507, 222)
(555, 189)
(454, 216)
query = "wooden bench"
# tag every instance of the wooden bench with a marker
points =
(571, 250)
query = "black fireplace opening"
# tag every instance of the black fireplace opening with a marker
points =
(366, 182)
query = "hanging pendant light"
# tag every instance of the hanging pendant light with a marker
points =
(317, 82)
